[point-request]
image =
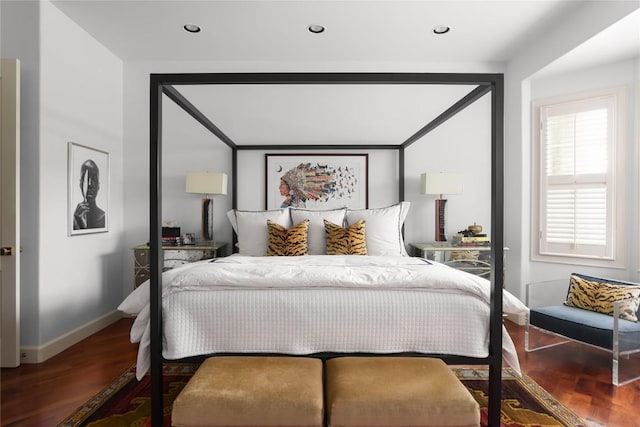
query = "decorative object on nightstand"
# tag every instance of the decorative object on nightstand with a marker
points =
(472, 236)
(175, 256)
(440, 183)
(170, 233)
(207, 183)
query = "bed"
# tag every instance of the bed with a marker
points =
(319, 304)
(462, 295)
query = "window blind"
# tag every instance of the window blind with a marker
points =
(576, 185)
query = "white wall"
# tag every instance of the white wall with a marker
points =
(190, 147)
(570, 32)
(602, 77)
(461, 145)
(72, 91)
(80, 101)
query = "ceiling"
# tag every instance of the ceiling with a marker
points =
(618, 42)
(266, 30)
(358, 34)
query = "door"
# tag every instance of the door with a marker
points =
(10, 212)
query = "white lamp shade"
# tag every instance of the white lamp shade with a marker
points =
(206, 183)
(441, 183)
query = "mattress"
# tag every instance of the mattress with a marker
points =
(317, 304)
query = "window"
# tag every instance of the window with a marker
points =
(576, 178)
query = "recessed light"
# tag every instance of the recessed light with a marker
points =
(441, 29)
(315, 28)
(192, 28)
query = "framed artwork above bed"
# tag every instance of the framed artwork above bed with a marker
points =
(317, 181)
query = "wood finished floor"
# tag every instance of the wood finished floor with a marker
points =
(44, 394)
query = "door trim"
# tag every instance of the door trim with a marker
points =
(10, 211)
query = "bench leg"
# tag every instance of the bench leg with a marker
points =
(616, 365)
(615, 369)
(615, 350)
(528, 328)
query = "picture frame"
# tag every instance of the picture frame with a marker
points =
(317, 181)
(88, 179)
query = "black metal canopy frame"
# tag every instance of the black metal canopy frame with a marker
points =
(486, 83)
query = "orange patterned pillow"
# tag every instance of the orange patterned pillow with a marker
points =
(345, 241)
(600, 295)
(287, 241)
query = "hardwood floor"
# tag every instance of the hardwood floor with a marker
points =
(44, 394)
(579, 377)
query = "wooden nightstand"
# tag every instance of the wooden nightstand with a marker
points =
(175, 256)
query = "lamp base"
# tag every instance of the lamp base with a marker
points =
(207, 219)
(440, 234)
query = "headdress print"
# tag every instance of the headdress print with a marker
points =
(319, 182)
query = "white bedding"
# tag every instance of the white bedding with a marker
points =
(318, 303)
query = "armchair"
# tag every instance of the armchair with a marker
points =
(550, 314)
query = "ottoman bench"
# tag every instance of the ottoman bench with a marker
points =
(252, 391)
(397, 391)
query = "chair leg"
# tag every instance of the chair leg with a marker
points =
(615, 356)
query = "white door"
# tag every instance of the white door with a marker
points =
(10, 212)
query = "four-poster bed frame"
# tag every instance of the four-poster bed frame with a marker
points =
(164, 84)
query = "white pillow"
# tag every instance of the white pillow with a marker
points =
(317, 237)
(251, 228)
(136, 300)
(383, 228)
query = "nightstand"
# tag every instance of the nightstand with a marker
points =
(472, 259)
(175, 256)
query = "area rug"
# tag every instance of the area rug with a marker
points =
(126, 401)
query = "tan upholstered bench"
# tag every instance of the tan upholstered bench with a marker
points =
(252, 392)
(396, 391)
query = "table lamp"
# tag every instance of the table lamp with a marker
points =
(207, 183)
(440, 183)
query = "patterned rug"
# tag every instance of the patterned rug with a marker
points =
(126, 401)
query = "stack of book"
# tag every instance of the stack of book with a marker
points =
(170, 241)
(472, 240)
(171, 236)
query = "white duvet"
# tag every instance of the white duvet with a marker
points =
(319, 303)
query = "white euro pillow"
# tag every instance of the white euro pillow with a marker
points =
(383, 228)
(251, 229)
(317, 237)
(136, 300)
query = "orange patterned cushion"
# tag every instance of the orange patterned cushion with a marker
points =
(599, 296)
(345, 241)
(287, 241)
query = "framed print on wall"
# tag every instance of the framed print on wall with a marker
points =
(88, 194)
(317, 181)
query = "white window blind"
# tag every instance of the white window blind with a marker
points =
(576, 179)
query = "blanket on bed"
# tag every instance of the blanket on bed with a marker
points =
(313, 272)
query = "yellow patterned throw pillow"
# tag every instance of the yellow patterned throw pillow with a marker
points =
(287, 241)
(599, 296)
(345, 241)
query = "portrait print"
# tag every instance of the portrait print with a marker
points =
(88, 176)
(316, 181)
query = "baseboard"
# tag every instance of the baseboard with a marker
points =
(518, 319)
(31, 354)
